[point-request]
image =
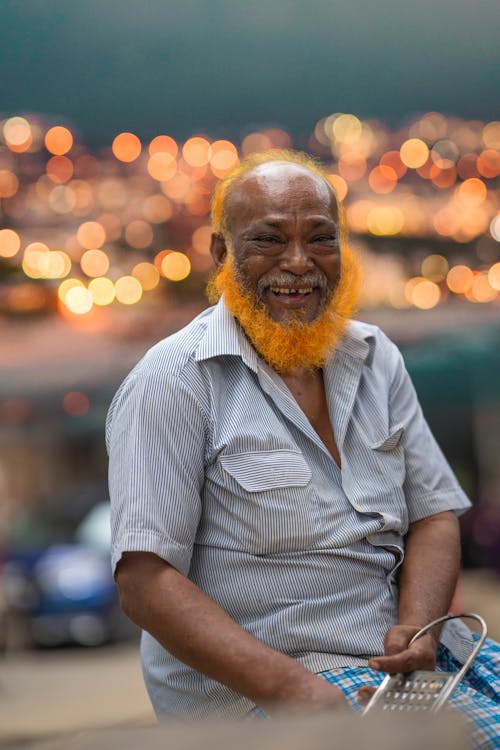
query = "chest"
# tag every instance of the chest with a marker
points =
(309, 393)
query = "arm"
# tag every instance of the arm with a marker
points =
(193, 628)
(427, 583)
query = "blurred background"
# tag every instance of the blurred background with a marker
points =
(115, 123)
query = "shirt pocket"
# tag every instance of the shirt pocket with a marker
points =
(273, 500)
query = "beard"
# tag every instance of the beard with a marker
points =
(294, 344)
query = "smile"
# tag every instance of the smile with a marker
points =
(289, 290)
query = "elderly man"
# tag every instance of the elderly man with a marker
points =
(283, 520)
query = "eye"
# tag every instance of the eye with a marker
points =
(267, 238)
(325, 239)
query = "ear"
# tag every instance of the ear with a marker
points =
(218, 249)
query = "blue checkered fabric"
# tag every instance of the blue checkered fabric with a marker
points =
(477, 697)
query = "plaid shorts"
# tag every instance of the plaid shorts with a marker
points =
(477, 697)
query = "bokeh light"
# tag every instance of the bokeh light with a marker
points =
(147, 274)
(414, 153)
(494, 276)
(17, 134)
(10, 243)
(162, 166)
(76, 403)
(9, 183)
(58, 140)
(460, 279)
(91, 235)
(139, 233)
(78, 300)
(157, 209)
(435, 267)
(197, 151)
(126, 147)
(102, 291)
(59, 169)
(339, 185)
(175, 266)
(163, 144)
(128, 290)
(94, 263)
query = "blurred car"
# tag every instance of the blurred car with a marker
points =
(65, 593)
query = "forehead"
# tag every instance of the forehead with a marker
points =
(279, 189)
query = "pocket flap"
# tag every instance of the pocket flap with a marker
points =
(266, 470)
(391, 441)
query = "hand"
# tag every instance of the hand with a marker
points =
(309, 695)
(401, 658)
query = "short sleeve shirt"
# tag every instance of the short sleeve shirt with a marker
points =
(215, 469)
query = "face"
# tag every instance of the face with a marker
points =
(284, 233)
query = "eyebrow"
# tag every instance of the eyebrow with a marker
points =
(277, 224)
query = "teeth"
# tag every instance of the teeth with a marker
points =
(286, 290)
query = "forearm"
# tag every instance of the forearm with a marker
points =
(430, 569)
(426, 586)
(199, 633)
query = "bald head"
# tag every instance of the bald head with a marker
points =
(276, 186)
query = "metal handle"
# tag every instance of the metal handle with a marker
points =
(466, 666)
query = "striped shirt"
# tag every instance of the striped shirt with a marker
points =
(215, 468)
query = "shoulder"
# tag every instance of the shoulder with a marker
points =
(174, 354)
(370, 341)
(167, 373)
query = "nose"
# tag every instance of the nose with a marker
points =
(296, 259)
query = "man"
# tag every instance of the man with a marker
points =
(282, 517)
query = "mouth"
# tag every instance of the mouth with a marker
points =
(280, 291)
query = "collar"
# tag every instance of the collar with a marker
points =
(224, 336)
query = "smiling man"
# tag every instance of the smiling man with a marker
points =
(283, 520)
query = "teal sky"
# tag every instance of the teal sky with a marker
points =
(223, 66)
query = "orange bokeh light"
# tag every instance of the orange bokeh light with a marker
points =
(472, 191)
(58, 140)
(94, 263)
(467, 166)
(201, 239)
(157, 209)
(414, 153)
(460, 279)
(91, 235)
(10, 243)
(147, 274)
(494, 276)
(443, 178)
(224, 157)
(139, 234)
(76, 403)
(339, 185)
(162, 166)
(126, 147)
(255, 142)
(163, 144)
(197, 151)
(352, 166)
(9, 183)
(393, 159)
(488, 163)
(59, 169)
(382, 179)
(175, 266)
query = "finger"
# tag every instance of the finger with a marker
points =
(395, 641)
(365, 693)
(406, 661)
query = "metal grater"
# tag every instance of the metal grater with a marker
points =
(423, 690)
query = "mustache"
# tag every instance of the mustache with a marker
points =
(310, 279)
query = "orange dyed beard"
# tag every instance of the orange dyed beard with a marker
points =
(286, 347)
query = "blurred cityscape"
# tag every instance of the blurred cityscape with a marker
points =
(103, 252)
